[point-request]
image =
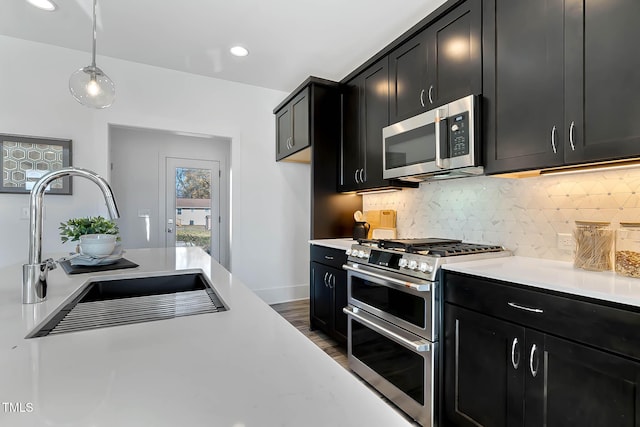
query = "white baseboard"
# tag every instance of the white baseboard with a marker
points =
(284, 294)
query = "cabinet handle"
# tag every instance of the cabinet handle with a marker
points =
(515, 354)
(522, 307)
(326, 283)
(328, 257)
(431, 94)
(332, 281)
(362, 179)
(534, 371)
(422, 97)
(571, 128)
(293, 141)
(355, 176)
(553, 140)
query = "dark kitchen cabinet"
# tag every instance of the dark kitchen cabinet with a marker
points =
(311, 113)
(455, 54)
(441, 63)
(292, 128)
(507, 366)
(328, 292)
(601, 80)
(365, 113)
(557, 79)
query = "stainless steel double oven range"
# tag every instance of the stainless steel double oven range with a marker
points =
(394, 312)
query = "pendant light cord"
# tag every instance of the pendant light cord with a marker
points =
(93, 52)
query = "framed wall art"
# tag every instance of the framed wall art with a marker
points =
(26, 158)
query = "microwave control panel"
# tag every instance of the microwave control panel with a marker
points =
(459, 135)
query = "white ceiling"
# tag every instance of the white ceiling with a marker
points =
(288, 40)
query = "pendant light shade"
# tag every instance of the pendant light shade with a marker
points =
(90, 86)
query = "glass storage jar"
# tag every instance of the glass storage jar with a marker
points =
(594, 245)
(628, 249)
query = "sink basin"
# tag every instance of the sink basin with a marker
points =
(122, 300)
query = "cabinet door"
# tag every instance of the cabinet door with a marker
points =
(602, 80)
(455, 54)
(576, 385)
(283, 132)
(300, 121)
(408, 93)
(523, 84)
(374, 115)
(483, 370)
(340, 320)
(292, 126)
(351, 152)
(321, 304)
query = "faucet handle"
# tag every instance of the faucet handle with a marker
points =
(49, 264)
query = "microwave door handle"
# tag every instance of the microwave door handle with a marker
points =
(442, 143)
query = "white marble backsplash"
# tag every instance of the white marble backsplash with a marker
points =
(523, 215)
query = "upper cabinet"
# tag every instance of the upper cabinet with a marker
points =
(601, 80)
(308, 129)
(557, 75)
(455, 54)
(441, 63)
(292, 129)
(365, 112)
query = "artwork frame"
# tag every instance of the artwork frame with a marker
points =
(26, 158)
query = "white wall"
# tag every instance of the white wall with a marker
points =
(270, 201)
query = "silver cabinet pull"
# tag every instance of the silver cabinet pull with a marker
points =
(431, 94)
(362, 179)
(328, 257)
(553, 140)
(419, 346)
(515, 358)
(326, 283)
(522, 307)
(534, 350)
(355, 176)
(332, 281)
(422, 97)
(571, 129)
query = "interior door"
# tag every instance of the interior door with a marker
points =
(193, 204)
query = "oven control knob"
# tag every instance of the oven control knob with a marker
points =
(402, 263)
(425, 267)
(348, 251)
(361, 254)
(413, 264)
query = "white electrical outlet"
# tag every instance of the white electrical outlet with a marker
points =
(565, 241)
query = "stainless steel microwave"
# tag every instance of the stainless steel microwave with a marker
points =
(440, 143)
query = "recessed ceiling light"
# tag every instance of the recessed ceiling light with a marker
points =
(239, 51)
(47, 5)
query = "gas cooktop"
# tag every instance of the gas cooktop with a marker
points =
(420, 258)
(431, 246)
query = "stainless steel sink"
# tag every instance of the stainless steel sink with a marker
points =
(122, 300)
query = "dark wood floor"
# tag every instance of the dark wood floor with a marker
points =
(297, 313)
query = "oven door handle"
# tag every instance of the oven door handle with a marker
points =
(418, 286)
(417, 346)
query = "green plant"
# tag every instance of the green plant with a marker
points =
(76, 227)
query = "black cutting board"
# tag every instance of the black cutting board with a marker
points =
(79, 269)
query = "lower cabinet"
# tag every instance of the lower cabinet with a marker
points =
(328, 292)
(501, 373)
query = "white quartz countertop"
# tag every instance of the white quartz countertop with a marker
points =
(245, 367)
(557, 276)
(343, 244)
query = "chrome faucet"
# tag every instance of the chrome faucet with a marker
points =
(34, 274)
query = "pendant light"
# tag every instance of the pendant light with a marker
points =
(90, 86)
